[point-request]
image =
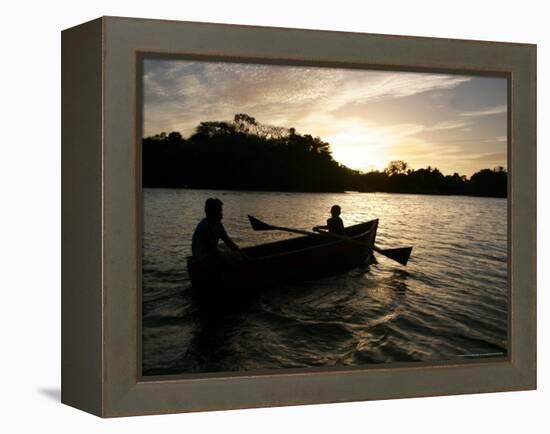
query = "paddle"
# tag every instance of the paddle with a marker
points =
(400, 254)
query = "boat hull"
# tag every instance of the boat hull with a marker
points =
(286, 261)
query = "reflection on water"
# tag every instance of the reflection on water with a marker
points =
(449, 302)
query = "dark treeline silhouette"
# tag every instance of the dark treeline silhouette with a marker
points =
(242, 155)
(247, 155)
(397, 178)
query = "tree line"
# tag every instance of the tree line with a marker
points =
(247, 155)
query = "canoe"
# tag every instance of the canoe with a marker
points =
(286, 261)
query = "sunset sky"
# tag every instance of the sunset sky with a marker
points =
(455, 123)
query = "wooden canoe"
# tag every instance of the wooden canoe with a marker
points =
(286, 261)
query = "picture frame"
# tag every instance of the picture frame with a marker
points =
(102, 222)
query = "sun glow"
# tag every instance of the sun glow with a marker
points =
(360, 147)
(359, 158)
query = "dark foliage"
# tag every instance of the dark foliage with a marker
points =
(247, 155)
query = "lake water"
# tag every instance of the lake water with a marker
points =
(449, 302)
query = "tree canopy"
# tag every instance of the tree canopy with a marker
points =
(247, 155)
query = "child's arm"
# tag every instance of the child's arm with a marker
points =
(319, 228)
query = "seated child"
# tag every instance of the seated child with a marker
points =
(334, 223)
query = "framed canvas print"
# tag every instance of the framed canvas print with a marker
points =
(260, 216)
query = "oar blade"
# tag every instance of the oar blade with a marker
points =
(400, 254)
(259, 225)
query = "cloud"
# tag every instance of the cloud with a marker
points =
(179, 94)
(487, 111)
(488, 157)
(447, 125)
(378, 85)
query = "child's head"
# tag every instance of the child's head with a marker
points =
(335, 210)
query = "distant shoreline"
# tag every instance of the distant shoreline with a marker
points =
(248, 190)
(246, 155)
